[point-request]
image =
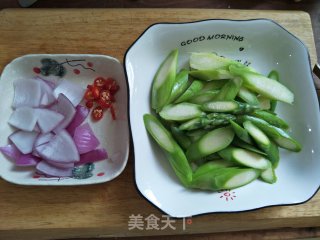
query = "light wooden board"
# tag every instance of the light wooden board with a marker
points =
(104, 209)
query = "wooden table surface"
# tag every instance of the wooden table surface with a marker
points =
(87, 196)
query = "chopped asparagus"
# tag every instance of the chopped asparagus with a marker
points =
(180, 85)
(224, 178)
(271, 118)
(278, 135)
(181, 111)
(228, 106)
(230, 90)
(239, 143)
(245, 158)
(209, 143)
(269, 175)
(204, 97)
(211, 74)
(263, 85)
(241, 132)
(248, 96)
(174, 152)
(163, 81)
(209, 61)
(275, 76)
(259, 136)
(191, 91)
(183, 140)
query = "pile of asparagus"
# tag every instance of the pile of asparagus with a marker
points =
(217, 123)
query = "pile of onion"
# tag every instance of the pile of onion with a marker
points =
(51, 134)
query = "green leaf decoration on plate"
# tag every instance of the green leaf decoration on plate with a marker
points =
(83, 171)
(52, 67)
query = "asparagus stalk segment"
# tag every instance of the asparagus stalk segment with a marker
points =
(191, 91)
(194, 135)
(181, 111)
(209, 143)
(230, 90)
(208, 61)
(249, 97)
(275, 76)
(183, 140)
(245, 158)
(212, 74)
(278, 135)
(268, 175)
(204, 97)
(224, 178)
(180, 85)
(239, 143)
(241, 132)
(228, 106)
(209, 166)
(271, 118)
(163, 81)
(174, 152)
(264, 102)
(259, 136)
(263, 85)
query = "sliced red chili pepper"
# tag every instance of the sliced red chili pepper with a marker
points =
(111, 85)
(89, 86)
(99, 82)
(97, 113)
(89, 104)
(88, 95)
(95, 92)
(113, 112)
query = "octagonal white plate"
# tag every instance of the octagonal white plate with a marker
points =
(260, 43)
(82, 69)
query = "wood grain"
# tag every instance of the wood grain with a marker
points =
(103, 210)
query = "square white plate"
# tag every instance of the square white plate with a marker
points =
(83, 69)
(260, 43)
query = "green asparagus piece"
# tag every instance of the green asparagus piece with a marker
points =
(245, 158)
(268, 175)
(212, 74)
(194, 135)
(180, 85)
(239, 143)
(195, 123)
(209, 143)
(209, 166)
(264, 102)
(241, 132)
(275, 76)
(209, 61)
(204, 97)
(263, 85)
(163, 81)
(183, 140)
(202, 122)
(273, 154)
(228, 106)
(181, 112)
(213, 85)
(191, 91)
(174, 152)
(271, 119)
(230, 90)
(248, 96)
(278, 135)
(224, 178)
(259, 136)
